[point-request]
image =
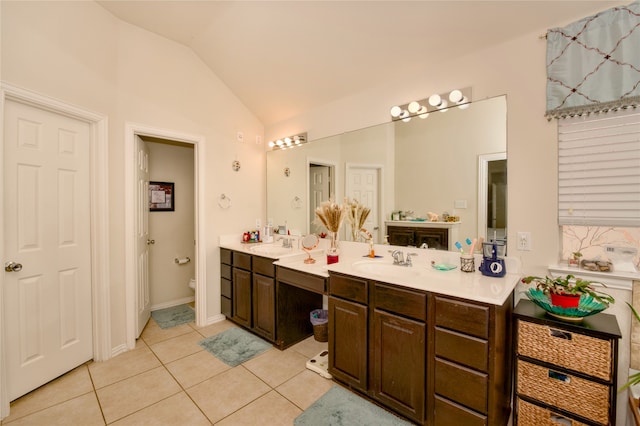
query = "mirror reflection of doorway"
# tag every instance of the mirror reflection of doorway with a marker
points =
(492, 196)
(497, 199)
(320, 189)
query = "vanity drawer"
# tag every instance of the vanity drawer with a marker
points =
(461, 316)
(533, 415)
(242, 260)
(225, 307)
(302, 280)
(448, 413)
(462, 349)
(225, 287)
(561, 347)
(225, 271)
(462, 385)
(349, 288)
(562, 390)
(409, 303)
(225, 256)
(264, 266)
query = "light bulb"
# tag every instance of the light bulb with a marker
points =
(271, 144)
(413, 107)
(396, 111)
(279, 142)
(435, 100)
(422, 112)
(287, 140)
(456, 96)
(404, 116)
(443, 106)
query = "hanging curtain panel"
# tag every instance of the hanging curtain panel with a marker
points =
(593, 65)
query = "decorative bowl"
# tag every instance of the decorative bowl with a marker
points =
(587, 306)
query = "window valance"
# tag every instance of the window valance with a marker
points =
(593, 65)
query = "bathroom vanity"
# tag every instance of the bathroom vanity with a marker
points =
(437, 235)
(433, 346)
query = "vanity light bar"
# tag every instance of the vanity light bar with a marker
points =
(460, 98)
(288, 142)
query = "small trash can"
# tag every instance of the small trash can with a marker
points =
(320, 321)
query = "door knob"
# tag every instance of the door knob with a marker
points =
(151, 242)
(13, 267)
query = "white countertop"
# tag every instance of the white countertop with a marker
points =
(421, 276)
(422, 223)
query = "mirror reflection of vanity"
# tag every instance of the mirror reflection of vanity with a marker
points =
(449, 162)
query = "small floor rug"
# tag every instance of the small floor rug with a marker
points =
(175, 315)
(234, 346)
(340, 407)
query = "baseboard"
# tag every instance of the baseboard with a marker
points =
(120, 349)
(216, 318)
(173, 303)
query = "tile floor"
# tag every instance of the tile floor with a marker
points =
(169, 379)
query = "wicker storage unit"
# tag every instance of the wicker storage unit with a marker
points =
(564, 371)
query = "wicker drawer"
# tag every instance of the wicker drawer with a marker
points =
(563, 390)
(533, 415)
(560, 347)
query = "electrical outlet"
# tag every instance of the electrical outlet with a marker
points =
(240, 137)
(258, 223)
(524, 241)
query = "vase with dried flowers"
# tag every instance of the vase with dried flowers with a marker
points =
(356, 216)
(331, 214)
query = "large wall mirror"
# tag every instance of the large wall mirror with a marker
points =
(452, 161)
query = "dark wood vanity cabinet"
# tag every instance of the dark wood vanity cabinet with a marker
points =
(348, 330)
(470, 350)
(437, 238)
(436, 360)
(226, 293)
(241, 281)
(398, 352)
(264, 298)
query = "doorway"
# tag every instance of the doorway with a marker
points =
(492, 196)
(321, 176)
(52, 131)
(133, 272)
(363, 185)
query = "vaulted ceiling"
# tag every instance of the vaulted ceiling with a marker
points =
(282, 58)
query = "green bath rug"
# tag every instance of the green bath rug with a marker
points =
(234, 346)
(339, 407)
(175, 315)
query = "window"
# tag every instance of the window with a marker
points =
(599, 169)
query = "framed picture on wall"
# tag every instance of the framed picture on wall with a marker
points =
(161, 197)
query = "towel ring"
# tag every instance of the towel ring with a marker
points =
(296, 202)
(224, 201)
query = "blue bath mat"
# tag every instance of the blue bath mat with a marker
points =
(175, 315)
(234, 346)
(340, 407)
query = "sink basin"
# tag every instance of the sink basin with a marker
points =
(384, 269)
(271, 250)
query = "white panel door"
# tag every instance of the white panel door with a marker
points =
(319, 191)
(363, 185)
(143, 299)
(47, 230)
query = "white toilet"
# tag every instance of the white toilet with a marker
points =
(192, 284)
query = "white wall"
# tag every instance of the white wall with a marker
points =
(79, 53)
(172, 231)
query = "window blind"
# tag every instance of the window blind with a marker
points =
(599, 169)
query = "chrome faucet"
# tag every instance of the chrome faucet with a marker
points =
(400, 260)
(286, 241)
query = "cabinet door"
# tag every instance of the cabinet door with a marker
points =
(348, 342)
(264, 306)
(400, 236)
(434, 238)
(399, 363)
(242, 297)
